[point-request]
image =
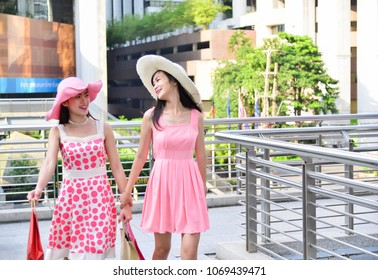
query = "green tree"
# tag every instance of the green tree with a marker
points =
(203, 12)
(303, 77)
(302, 81)
(119, 32)
(21, 168)
(239, 76)
(188, 13)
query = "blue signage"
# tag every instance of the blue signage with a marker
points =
(28, 85)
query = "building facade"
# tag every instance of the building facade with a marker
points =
(116, 9)
(37, 47)
(348, 42)
(198, 52)
(51, 39)
(346, 32)
(44, 41)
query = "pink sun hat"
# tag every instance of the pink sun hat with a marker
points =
(71, 87)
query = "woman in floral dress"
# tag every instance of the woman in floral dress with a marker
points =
(84, 219)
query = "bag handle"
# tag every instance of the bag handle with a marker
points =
(126, 231)
(32, 204)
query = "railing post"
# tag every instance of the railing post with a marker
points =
(309, 212)
(349, 207)
(265, 206)
(238, 173)
(46, 199)
(251, 202)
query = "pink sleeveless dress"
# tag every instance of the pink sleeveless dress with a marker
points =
(175, 201)
(84, 220)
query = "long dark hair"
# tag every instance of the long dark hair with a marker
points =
(65, 115)
(185, 99)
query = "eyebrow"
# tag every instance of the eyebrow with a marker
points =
(81, 93)
(155, 76)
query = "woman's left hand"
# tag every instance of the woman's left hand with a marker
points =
(126, 199)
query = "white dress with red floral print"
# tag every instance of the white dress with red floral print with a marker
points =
(84, 220)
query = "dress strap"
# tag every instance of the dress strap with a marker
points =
(194, 118)
(100, 127)
(62, 131)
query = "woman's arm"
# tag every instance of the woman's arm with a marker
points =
(113, 157)
(200, 150)
(48, 165)
(140, 157)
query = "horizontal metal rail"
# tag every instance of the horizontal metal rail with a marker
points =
(335, 194)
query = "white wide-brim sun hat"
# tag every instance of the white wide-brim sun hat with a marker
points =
(148, 65)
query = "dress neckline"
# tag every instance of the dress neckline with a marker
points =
(99, 133)
(179, 124)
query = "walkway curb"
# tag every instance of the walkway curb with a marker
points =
(44, 212)
(235, 250)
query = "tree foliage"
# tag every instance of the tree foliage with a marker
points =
(21, 168)
(303, 76)
(240, 76)
(303, 84)
(172, 17)
(203, 12)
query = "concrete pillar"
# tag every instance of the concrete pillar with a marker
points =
(261, 21)
(367, 56)
(334, 41)
(239, 8)
(91, 52)
(117, 10)
(300, 17)
(109, 9)
(128, 7)
(139, 8)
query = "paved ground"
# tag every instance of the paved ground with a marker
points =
(222, 241)
(224, 227)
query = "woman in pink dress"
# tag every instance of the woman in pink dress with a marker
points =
(84, 219)
(175, 199)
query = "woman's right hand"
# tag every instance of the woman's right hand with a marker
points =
(34, 195)
(125, 214)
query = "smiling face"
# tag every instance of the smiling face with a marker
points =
(163, 86)
(78, 104)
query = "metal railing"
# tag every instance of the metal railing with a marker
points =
(24, 146)
(23, 149)
(37, 107)
(303, 188)
(310, 193)
(25, 106)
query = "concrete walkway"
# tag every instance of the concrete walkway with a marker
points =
(224, 230)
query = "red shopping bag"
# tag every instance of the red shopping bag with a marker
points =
(35, 249)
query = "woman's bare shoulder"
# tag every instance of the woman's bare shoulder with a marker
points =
(148, 113)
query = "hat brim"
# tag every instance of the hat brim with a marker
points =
(148, 65)
(66, 93)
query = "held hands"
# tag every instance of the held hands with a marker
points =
(125, 215)
(126, 199)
